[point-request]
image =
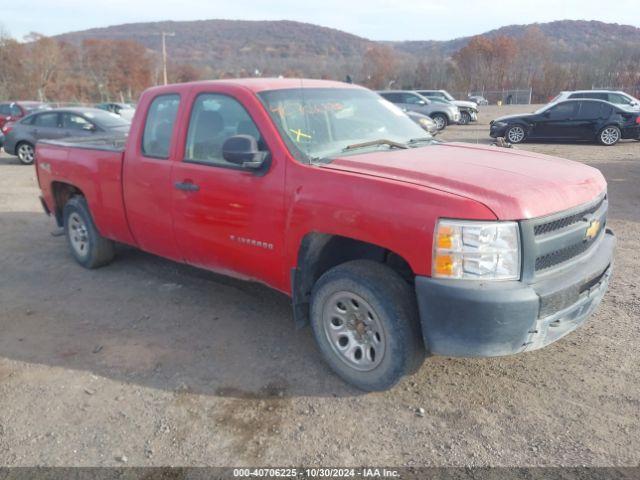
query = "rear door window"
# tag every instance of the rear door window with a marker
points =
(590, 110)
(158, 129)
(47, 120)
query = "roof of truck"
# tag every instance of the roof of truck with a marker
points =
(260, 84)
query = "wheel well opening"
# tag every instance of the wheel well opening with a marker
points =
(320, 252)
(62, 192)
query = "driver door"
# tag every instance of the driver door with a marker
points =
(557, 122)
(227, 218)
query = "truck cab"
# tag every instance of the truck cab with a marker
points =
(391, 245)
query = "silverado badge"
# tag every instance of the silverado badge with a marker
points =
(592, 230)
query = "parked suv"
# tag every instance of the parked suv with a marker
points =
(442, 114)
(616, 97)
(468, 113)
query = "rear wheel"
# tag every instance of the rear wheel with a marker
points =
(26, 153)
(465, 118)
(365, 321)
(515, 134)
(88, 247)
(609, 135)
(441, 120)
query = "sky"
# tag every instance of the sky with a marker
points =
(373, 19)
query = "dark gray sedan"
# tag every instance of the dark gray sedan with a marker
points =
(21, 137)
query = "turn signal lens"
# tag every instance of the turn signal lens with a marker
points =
(476, 250)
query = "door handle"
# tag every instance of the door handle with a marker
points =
(187, 186)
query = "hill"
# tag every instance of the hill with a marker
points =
(233, 44)
(566, 37)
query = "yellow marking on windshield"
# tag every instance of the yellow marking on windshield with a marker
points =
(298, 133)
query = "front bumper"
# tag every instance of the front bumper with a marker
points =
(485, 319)
(496, 131)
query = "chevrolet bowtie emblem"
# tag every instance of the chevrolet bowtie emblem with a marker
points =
(592, 230)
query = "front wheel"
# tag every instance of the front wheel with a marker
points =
(515, 134)
(609, 135)
(365, 322)
(441, 121)
(465, 118)
(88, 247)
(26, 153)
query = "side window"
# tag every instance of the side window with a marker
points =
(619, 99)
(563, 111)
(411, 99)
(214, 118)
(158, 127)
(393, 97)
(5, 109)
(15, 110)
(47, 120)
(75, 122)
(590, 110)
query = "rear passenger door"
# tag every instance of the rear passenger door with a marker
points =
(147, 177)
(46, 126)
(589, 118)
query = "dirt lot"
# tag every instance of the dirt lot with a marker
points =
(154, 363)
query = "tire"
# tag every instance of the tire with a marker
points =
(515, 134)
(88, 247)
(441, 120)
(367, 307)
(465, 118)
(609, 135)
(25, 153)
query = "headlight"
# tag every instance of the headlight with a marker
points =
(426, 124)
(500, 124)
(474, 250)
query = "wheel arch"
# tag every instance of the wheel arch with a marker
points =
(62, 192)
(319, 252)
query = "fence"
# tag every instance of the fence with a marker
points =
(516, 96)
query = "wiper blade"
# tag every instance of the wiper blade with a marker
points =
(373, 143)
(419, 140)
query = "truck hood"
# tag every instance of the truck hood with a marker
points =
(514, 184)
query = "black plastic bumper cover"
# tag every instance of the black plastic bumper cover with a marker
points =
(466, 318)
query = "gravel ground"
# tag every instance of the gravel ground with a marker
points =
(148, 362)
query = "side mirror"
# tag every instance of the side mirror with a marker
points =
(242, 150)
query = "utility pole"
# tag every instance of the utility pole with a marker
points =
(164, 53)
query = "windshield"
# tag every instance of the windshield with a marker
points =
(321, 123)
(106, 119)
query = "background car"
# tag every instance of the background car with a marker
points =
(616, 97)
(447, 96)
(478, 99)
(13, 111)
(570, 120)
(468, 114)
(125, 110)
(425, 121)
(21, 137)
(412, 101)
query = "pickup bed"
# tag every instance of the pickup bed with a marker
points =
(390, 244)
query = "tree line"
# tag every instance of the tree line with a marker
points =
(48, 69)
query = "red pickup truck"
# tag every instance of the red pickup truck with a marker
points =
(391, 245)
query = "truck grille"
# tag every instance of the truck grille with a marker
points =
(552, 241)
(563, 222)
(562, 255)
